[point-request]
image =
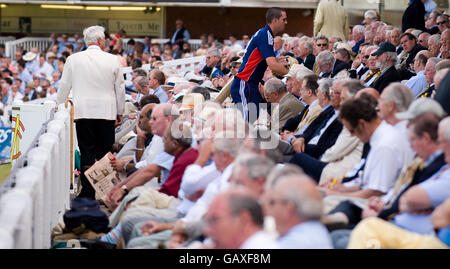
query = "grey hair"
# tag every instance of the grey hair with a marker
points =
(442, 65)
(143, 82)
(392, 56)
(370, 14)
(302, 73)
(240, 202)
(353, 86)
(321, 37)
(325, 57)
(169, 110)
(445, 126)
(257, 166)
(215, 52)
(400, 95)
(436, 38)
(308, 45)
(91, 34)
(325, 85)
(307, 206)
(262, 139)
(359, 29)
(228, 142)
(274, 85)
(416, 33)
(181, 133)
(434, 60)
(280, 172)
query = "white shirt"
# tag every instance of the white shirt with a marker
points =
(150, 152)
(46, 69)
(386, 159)
(194, 179)
(96, 80)
(260, 240)
(402, 129)
(217, 186)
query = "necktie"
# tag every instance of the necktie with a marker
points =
(424, 90)
(407, 176)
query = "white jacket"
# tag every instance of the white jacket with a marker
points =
(96, 80)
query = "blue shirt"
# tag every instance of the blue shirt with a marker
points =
(25, 76)
(437, 188)
(417, 83)
(162, 95)
(430, 5)
(165, 161)
(258, 50)
(306, 235)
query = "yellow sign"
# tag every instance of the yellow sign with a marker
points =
(15, 153)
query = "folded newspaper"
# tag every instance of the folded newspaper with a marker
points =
(103, 177)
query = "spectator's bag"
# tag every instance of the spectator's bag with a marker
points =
(85, 214)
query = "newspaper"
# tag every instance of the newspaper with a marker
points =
(103, 177)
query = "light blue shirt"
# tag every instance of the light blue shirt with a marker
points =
(165, 161)
(437, 188)
(430, 5)
(162, 95)
(25, 76)
(306, 235)
(417, 83)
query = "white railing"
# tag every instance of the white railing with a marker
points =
(181, 66)
(41, 43)
(34, 198)
(4, 39)
(185, 64)
(195, 43)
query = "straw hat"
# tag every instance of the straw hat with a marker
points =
(191, 100)
(29, 56)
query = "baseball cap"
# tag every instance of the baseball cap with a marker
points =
(384, 47)
(421, 106)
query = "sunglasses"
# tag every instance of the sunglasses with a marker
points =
(441, 22)
(366, 56)
(322, 45)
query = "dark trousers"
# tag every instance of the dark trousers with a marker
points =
(95, 139)
(352, 212)
(310, 165)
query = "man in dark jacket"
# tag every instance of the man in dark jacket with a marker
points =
(386, 57)
(414, 16)
(180, 35)
(411, 48)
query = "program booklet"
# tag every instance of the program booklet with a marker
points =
(103, 177)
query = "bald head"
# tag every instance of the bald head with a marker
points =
(369, 91)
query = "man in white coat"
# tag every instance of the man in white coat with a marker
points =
(98, 92)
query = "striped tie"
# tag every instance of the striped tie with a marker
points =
(424, 90)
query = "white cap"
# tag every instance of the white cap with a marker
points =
(420, 106)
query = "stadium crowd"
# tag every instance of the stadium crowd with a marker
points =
(350, 147)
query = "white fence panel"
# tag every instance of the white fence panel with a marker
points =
(37, 195)
(15, 219)
(50, 142)
(30, 179)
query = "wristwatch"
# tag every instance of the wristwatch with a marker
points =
(124, 187)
